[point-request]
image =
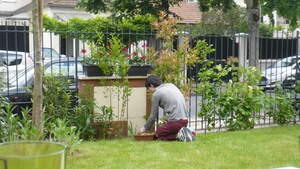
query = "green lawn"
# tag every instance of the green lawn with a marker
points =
(255, 149)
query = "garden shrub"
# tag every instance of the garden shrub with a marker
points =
(59, 104)
(83, 116)
(282, 106)
(234, 102)
(84, 29)
(16, 126)
(241, 100)
(169, 63)
(238, 102)
(57, 98)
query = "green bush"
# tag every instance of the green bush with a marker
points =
(82, 29)
(281, 107)
(57, 98)
(241, 99)
(234, 102)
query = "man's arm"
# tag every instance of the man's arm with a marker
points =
(154, 112)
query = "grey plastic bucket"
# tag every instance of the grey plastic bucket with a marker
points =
(32, 155)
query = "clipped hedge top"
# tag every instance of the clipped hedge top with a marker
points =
(85, 28)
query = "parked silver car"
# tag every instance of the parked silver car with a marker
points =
(12, 63)
(17, 88)
(49, 54)
(280, 71)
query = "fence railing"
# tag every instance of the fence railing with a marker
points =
(278, 61)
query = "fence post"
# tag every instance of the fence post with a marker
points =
(298, 43)
(242, 40)
(180, 42)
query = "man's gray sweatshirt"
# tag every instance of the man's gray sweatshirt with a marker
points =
(170, 99)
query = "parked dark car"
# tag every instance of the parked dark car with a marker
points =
(18, 90)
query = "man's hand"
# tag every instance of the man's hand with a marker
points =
(142, 130)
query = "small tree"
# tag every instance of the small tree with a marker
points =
(169, 63)
(37, 17)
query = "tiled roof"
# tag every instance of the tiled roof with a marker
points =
(189, 12)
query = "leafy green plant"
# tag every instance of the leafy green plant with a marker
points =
(138, 56)
(281, 106)
(10, 124)
(241, 100)
(16, 126)
(85, 29)
(105, 115)
(112, 58)
(104, 120)
(57, 97)
(235, 102)
(60, 132)
(83, 116)
(28, 131)
(131, 129)
(266, 30)
(169, 63)
(3, 102)
(209, 88)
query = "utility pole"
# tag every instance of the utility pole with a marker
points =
(37, 29)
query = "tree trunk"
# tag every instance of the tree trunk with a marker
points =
(253, 11)
(37, 10)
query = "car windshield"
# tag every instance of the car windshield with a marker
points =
(9, 59)
(50, 53)
(286, 62)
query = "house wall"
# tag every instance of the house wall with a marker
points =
(13, 5)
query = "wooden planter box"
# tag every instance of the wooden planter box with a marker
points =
(115, 129)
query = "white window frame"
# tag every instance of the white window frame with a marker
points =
(11, 1)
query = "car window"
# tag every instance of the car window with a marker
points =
(50, 53)
(9, 59)
(284, 63)
(63, 68)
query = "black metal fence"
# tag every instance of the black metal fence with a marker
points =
(278, 60)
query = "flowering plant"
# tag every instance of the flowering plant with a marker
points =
(138, 54)
(110, 58)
